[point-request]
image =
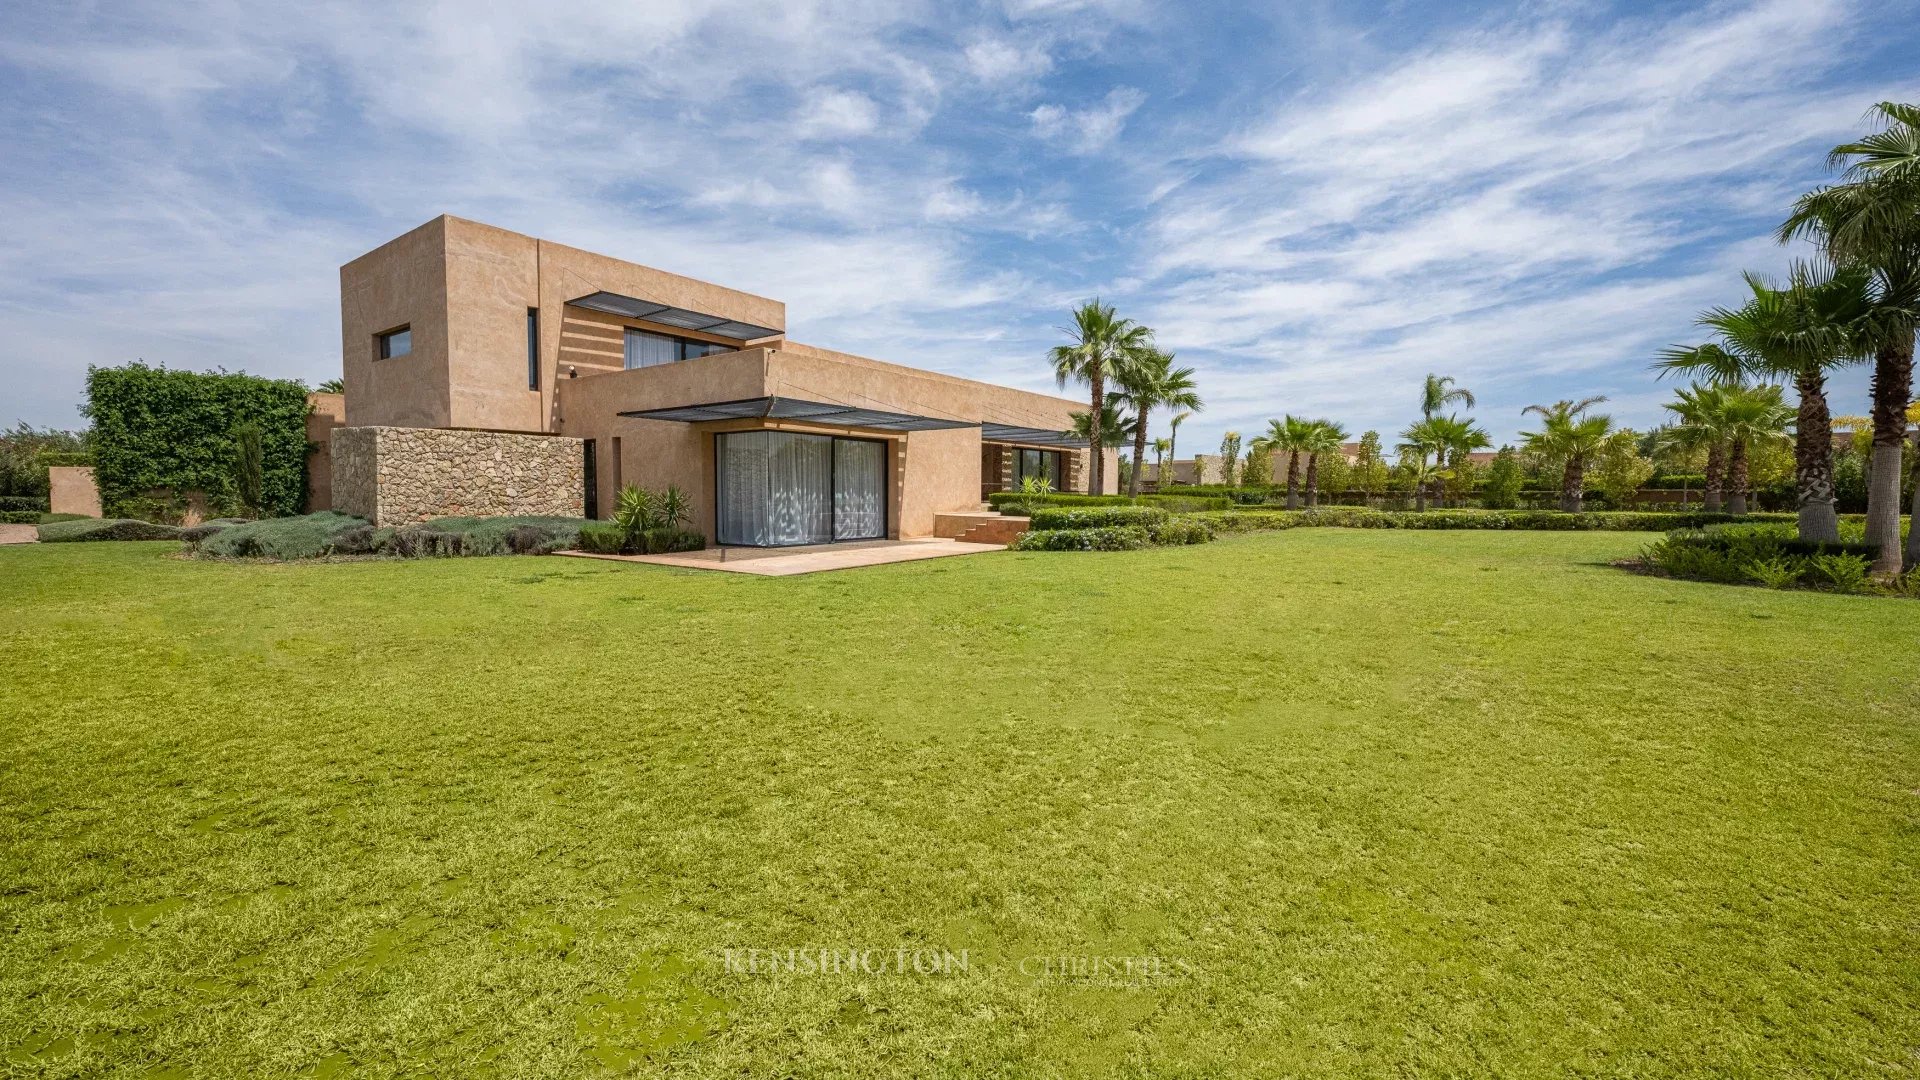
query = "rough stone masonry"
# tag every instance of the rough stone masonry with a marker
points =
(398, 476)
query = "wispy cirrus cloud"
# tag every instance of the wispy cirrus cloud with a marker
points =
(1312, 206)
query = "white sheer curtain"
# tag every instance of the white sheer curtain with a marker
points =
(779, 488)
(859, 490)
(800, 481)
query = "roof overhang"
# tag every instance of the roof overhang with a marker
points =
(630, 307)
(1007, 433)
(811, 412)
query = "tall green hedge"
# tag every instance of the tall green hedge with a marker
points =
(161, 429)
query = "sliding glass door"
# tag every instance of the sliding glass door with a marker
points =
(780, 488)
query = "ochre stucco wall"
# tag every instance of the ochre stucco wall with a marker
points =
(71, 489)
(325, 412)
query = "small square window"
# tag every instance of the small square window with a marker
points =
(395, 343)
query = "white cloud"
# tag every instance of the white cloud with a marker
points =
(999, 60)
(835, 114)
(1085, 131)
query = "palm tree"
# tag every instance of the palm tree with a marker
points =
(1294, 435)
(1800, 332)
(1103, 345)
(1325, 439)
(1748, 415)
(1114, 420)
(1439, 392)
(1423, 440)
(1147, 383)
(1458, 438)
(1568, 434)
(1697, 409)
(1872, 218)
(1721, 368)
(1162, 449)
(1173, 433)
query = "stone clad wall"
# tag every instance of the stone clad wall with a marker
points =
(397, 476)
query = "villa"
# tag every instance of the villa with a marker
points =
(490, 372)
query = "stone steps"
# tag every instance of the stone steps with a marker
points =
(975, 527)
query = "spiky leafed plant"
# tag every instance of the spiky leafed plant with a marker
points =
(1326, 438)
(1800, 332)
(1569, 435)
(1438, 392)
(1292, 435)
(1871, 218)
(1103, 345)
(1148, 382)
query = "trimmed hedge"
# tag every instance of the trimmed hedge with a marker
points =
(18, 504)
(1766, 554)
(1353, 517)
(1095, 517)
(1114, 538)
(332, 534)
(86, 529)
(1017, 502)
(156, 429)
(1180, 530)
(19, 517)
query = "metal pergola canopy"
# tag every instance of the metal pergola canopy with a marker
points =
(813, 412)
(634, 308)
(1007, 433)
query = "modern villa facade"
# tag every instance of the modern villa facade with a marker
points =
(668, 380)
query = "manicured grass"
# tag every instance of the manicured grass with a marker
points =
(1382, 804)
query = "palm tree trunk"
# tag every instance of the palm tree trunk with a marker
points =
(1737, 479)
(1293, 480)
(1096, 463)
(1139, 454)
(1892, 382)
(1313, 479)
(1716, 478)
(1573, 484)
(1813, 460)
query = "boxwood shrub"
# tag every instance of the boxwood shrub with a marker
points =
(19, 517)
(1095, 517)
(1105, 538)
(23, 504)
(1180, 530)
(85, 529)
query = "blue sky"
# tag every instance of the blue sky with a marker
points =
(1314, 204)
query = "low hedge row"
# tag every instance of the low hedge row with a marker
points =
(88, 529)
(14, 504)
(1094, 517)
(602, 538)
(1104, 538)
(1019, 502)
(1768, 554)
(1353, 517)
(315, 536)
(19, 517)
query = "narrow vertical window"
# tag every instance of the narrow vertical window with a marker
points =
(533, 348)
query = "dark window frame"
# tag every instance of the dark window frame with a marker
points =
(833, 479)
(383, 342)
(533, 348)
(681, 346)
(1057, 468)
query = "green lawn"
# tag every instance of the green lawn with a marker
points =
(1379, 804)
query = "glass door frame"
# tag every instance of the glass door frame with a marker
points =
(833, 467)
